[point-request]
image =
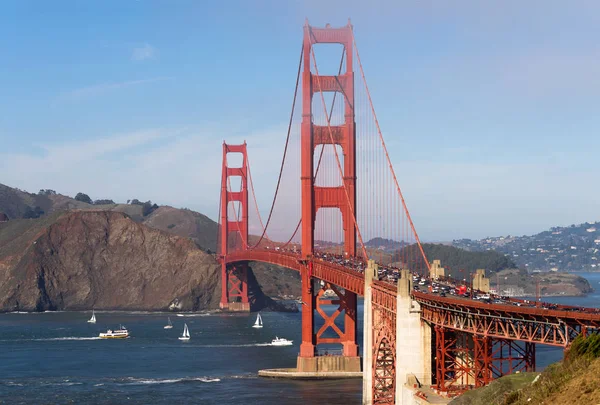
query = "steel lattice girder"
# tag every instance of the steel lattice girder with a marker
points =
(493, 322)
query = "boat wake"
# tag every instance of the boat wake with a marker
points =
(192, 315)
(65, 338)
(140, 381)
(240, 345)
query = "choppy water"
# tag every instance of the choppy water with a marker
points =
(56, 358)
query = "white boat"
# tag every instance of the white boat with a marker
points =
(169, 325)
(120, 333)
(281, 342)
(258, 323)
(93, 318)
(186, 333)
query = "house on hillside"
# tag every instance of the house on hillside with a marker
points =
(3, 217)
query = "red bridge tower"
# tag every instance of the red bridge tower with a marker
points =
(315, 197)
(234, 232)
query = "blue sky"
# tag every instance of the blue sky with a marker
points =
(490, 109)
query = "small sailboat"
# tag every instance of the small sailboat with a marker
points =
(93, 318)
(169, 325)
(186, 333)
(258, 323)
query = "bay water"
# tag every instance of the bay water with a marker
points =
(57, 358)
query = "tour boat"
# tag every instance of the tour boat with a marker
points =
(120, 333)
(258, 323)
(281, 342)
(93, 318)
(186, 333)
(169, 325)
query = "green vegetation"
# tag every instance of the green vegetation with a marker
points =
(33, 213)
(498, 392)
(103, 202)
(83, 198)
(456, 259)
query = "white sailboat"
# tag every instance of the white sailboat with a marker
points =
(169, 325)
(186, 333)
(258, 323)
(93, 318)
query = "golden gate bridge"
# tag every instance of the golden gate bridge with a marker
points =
(336, 190)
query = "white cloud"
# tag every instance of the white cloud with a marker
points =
(144, 52)
(97, 89)
(179, 167)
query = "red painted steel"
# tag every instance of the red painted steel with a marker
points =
(383, 335)
(465, 361)
(505, 321)
(234, 286)
(343, 197)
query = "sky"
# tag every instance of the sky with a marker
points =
(490, 109)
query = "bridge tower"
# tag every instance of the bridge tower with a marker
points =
(233, 233)
(315, 197)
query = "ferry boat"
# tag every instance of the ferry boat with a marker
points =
(281, 342)
(120, 333)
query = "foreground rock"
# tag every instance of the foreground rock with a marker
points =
(103, 260)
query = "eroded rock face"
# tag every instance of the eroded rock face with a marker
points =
(104, 260)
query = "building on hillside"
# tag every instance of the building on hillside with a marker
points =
(3, 217)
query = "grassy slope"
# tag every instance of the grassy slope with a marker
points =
(496, 392)
(574, 381)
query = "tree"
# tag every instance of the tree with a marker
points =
(103, 202)
(33, 213)
(46, 192)
(135, 201)
(148, 208)
(83, 198)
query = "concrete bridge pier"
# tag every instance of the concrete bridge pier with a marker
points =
(413, 343)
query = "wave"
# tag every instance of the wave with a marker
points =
(200, 314)
(138, 381)
(13, 384)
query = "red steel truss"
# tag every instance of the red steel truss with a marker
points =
(505, 321)
(383, 306)
(465, 361)
(234, 285)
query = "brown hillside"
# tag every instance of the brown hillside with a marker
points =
(187, 223)
(105, 260)
(14, 202)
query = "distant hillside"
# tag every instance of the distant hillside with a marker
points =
(455, 259)
(386, 245)
(18, 204)
(572, 248)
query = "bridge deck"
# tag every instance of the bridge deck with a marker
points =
(557, 326)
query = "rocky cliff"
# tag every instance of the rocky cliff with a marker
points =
(101, 259)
